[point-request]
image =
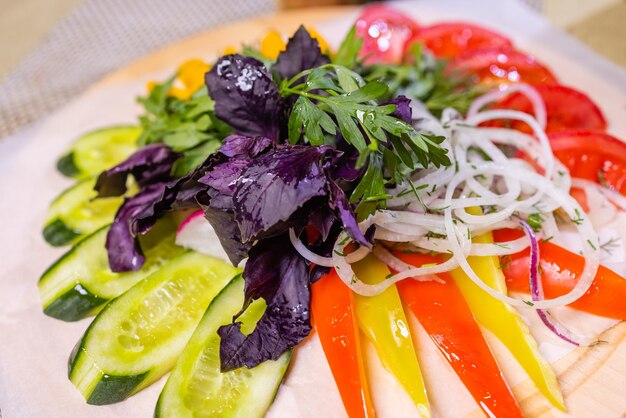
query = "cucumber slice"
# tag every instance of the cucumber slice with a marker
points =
(196, 388)
(138, 336)
(81, 282)
(99, 150)
(75, 213)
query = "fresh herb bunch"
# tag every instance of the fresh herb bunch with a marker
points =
(421, 77)
(333, 99)
(186, 126)
(315, 144)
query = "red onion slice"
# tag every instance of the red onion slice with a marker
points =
(536, 292)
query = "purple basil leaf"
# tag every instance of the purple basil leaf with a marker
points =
(246, 96)
(338, 202)
(278, 274)
(150, 164)
(224, 177)
(223, 222)
(245, 146)
(322, 220)
(275, 185)
(370, 233)
(403, 108)
(302, 53)
(122, 245)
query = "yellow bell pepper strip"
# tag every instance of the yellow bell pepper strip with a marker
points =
(320, 40)
(332, 304)
(382, 320)
(444, 314)
(272, 44)
(230, 50)
(191, 75)
(505, 323)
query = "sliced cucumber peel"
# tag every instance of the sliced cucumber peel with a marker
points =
(138, 336)
(76, 213)
(81, 282)
(99, 150)
(197, 388)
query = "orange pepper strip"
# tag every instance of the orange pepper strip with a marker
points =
(446, 317)
(332, 303)
(560, 271)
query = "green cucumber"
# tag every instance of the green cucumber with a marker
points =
(75, 213)
(99, 150)
(196, 388)
(138, 336)
(81, 282)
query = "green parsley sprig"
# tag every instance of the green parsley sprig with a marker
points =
(331, 99)
(187, 126)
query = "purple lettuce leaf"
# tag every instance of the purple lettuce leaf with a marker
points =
(278, 274)
(150, 164)
(246, 96)
(302, 53)
(403, 108)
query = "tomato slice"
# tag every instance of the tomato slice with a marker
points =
(594, 156)
(498, 66)
(385, 32)
(567, 109)
(448, 40)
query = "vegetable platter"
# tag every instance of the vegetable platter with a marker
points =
(464, 200)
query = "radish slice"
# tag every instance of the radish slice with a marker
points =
(197, 234)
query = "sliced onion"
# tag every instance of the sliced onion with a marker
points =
(536, 293)
(615, 197)
(308, 254)
(569, 205)
(398, 265)
(539, 106)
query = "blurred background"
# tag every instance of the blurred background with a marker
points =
(79, 41)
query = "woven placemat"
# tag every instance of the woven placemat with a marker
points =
(99, 36)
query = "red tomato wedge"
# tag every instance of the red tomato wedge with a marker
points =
(448, 40)
(497, 66)
(385, 32)
(560, 271)
(592, 156)
(567, 109)
(332, 303)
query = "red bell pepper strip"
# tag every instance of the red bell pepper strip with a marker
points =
(560, 271)
(446, 317)
(332, 303)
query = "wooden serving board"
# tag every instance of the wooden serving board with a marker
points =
(593, 379)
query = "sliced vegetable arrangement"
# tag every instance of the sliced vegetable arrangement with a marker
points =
(421, 171)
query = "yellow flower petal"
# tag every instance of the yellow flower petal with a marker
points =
(229, 50)
(272, 44)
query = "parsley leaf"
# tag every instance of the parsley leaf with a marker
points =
(187, 126)
(348, 52)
